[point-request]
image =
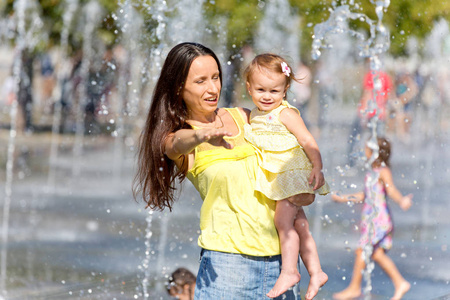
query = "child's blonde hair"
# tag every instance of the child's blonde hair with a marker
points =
(269, 62)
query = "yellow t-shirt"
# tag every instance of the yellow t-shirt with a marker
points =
(234, 218)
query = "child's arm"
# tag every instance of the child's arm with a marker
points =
(404, 202)
(356, 197)
(294, 123)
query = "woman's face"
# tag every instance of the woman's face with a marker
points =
(202, 88)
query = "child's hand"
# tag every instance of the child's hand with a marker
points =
(317, 178)
(406, 202)
(355, 197)
(335, 197)
(214, 136)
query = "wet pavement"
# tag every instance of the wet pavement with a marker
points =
(85, 239)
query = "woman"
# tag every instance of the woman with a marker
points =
(186, 134)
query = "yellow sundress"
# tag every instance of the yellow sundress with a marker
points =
(284, 167)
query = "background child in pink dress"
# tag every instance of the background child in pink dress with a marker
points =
(378, 185)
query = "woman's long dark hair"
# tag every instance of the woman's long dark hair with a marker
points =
(156, 175)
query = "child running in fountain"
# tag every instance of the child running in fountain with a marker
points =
(290, 168)
(378, 185)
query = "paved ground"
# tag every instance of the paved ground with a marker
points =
(84, 238)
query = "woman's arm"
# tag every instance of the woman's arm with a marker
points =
(404, 202)
(294, 123)
(184, 141)
(356, 197)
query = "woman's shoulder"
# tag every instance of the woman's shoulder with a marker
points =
(239, 111)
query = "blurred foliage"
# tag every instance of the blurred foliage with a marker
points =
(404, 18)
(243, 17)
(51, 13)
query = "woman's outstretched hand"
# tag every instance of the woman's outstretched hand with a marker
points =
(214, 136)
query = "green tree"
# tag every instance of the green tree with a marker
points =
(403, 18)
(51, 13)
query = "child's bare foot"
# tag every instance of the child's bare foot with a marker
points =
(401, 290)
(348, 293)
(286, 280)
(316, 282)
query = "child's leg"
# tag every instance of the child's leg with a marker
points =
(401, 285)
(354, 288)
(285, 213)
(310, 257)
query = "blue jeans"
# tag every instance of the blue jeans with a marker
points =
(231, 276)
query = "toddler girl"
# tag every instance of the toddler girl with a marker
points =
(290, 168)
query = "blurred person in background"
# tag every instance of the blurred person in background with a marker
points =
(378, 84)
(48, 83)
(25, 95)
(401, 106)
(181, 284)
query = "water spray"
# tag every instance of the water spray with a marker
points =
(71, 6)
(20, 7)
(377, 43)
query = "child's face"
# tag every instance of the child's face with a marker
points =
(267, 89)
